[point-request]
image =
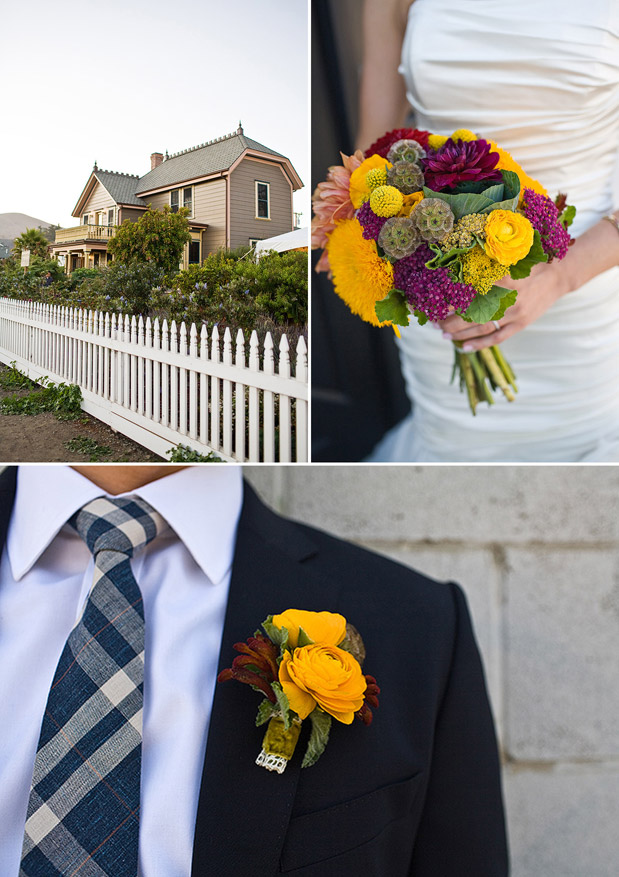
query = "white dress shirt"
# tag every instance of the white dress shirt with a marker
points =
(46, 572)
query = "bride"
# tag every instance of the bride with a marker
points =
(541, 78)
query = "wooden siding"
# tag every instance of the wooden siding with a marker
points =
(210, 206)
(131, 213)
(99, 200)
(243, 223)
(158, 200)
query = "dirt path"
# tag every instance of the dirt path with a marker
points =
(41, 438)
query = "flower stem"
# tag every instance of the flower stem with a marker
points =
(488, 358)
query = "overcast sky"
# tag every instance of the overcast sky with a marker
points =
(114, 80)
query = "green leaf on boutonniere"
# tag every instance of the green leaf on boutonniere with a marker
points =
(304, 639)
(484, 307)
(265, 711)
(535, 255)
(282, 704)
(278, 636)
(393, 307)
(321, 725)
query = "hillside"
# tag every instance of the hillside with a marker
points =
(13, 224)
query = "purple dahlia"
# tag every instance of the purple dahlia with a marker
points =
(433, 292)
(460, 162)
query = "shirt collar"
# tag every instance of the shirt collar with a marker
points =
(202, 504)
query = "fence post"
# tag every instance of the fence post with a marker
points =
(254, 422)
(268, 408)
(301, 404)
(285, 425)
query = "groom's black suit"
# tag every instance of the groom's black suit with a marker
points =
(417, 792)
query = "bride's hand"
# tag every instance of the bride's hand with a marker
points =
(536, 294)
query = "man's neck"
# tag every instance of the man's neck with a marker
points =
(124, 478)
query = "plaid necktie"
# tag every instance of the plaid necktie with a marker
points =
(83, 812)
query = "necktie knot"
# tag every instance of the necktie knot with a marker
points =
(123, 524)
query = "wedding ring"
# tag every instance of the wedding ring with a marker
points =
(496, 324)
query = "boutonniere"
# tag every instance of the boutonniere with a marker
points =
(307, 665)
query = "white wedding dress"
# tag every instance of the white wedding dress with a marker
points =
(541, 78)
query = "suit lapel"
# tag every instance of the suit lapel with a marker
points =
(8, 484)
(244, 810)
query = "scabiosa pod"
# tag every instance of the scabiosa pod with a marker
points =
(433, 218)
(399, 237)
(406, 150)
(406, 176)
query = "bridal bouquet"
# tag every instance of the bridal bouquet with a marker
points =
(428, 225)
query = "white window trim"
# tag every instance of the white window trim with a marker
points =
(268, 185)
(181, 190)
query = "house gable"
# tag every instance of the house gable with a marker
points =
(245, 225)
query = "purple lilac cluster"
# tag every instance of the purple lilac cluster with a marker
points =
(370, 222)
(433, 292)
(543, 215)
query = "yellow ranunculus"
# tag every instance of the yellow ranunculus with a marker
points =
(358, 187)
(410, 202)
(327, 628)
(325, 676)
(509, 236)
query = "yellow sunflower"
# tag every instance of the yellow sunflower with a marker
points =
(360, 276)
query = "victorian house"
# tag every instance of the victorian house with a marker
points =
(237, 192)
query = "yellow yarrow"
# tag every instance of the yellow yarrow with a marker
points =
(463, 134)
(358, 188)
(509, 236)
(360, 276)
(435, 141)
(386, 201)
(410, 202)
(507, 163)
(480, 271)
(375, 178)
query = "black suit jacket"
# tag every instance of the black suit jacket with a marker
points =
(415, 794)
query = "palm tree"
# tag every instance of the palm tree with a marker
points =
(32, 239)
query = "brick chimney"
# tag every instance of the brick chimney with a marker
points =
(155, 160)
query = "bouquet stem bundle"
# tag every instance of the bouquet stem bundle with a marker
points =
(481, 373)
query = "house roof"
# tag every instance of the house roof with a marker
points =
(200, 161)
(120, 186)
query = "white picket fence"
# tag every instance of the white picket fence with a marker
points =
(162, 384)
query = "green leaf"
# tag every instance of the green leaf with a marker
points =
(511, 193)
(442, 259)
(304, 639)
(495, 191)
(535, 255)
(282, 704)
(278, 636)
(393, 307)
(506, 302)
(422, 318)
(462, 204)
(321, 725)
(567, 217)
(484, 307)
(265, 711)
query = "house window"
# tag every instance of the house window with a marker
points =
(85, 219)
(188, 199)
(194, 252)
(110, 217)
(174, 200)
(263, 207)
(254, 241)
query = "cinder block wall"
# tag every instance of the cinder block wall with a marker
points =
(537, 551)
